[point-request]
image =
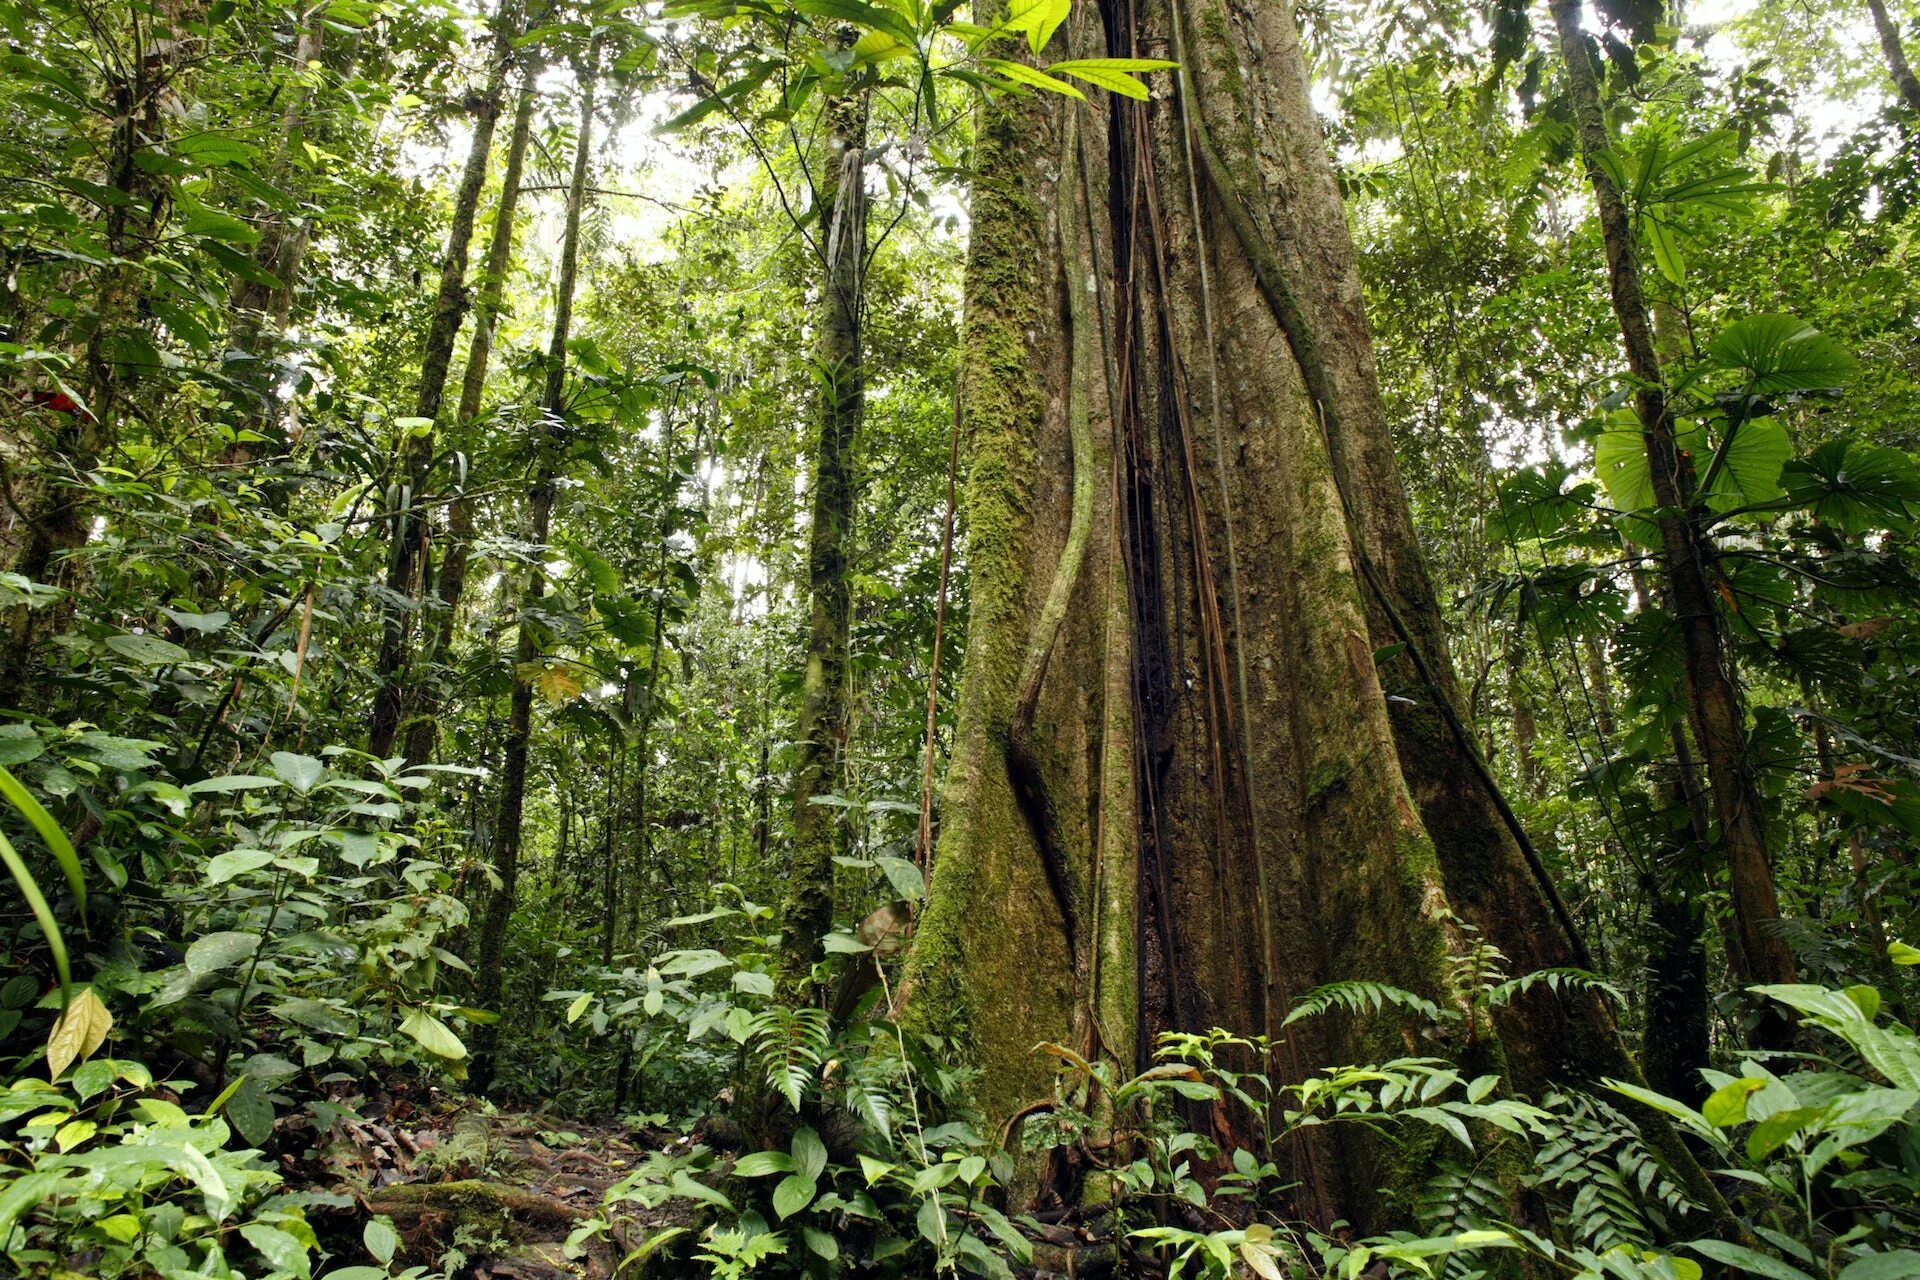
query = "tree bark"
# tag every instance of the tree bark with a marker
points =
(1896, 55)
(56, 510)
(1223, 813)
(819, 832)
(1686, 557)
(513, 766)
(423, 717)
(407, 550)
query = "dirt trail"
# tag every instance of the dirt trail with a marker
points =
(473, 1193)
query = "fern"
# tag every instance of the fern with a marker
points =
(1559, 981)
(1620, 1192)
(1458, 1199)
(1364, 997)
(791, 1044)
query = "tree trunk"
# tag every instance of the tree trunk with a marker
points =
(423, 718)
(1215, 818)
(407, 550)
(1686, 556)
(819, 832)
(261, 307)
(1896, 55)
(55, 507)
(513, 766)
(1174, 434)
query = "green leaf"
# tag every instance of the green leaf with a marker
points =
(433, 1035)
(214, 952)
(215, 225)
(279, 1248)
(223, 867)
(685, 1186)
(1854, 486)
(231, 782)
(809, 1154)
(1021, 73)
(760, 1164)
(1668, 257)
(1901, 953)
(1750, 473)
(1899, 1264)
(1782, 353)
(148, 650)
(795, 1192)
(905, 877)
(19, 743)
(820, 1243)
(380, 1239)
(1038, 18)
(1749, 1260)
(753, 984)
(1727, 1106)
(300, 772)
(1113, 74)
(579, 1006)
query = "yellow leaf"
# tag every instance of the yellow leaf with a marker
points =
(81, 1030)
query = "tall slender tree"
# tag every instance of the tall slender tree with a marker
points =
(818, 831)
(550, 433)
(426, 699)
(407, 547)
(1715, 709)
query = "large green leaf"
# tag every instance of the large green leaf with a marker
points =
(1782, 353)
(1750, 473)
(1854, 487)
(433, 1035)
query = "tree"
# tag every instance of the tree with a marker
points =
(840, 199)
(1714, 705)
(549, 438)
(451, 581)
(408, 548)
(1188, 542)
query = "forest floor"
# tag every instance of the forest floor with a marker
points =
(473, 1192)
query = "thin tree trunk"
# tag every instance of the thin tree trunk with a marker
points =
(513, 765)
(407, 550)
(262, 308)
(423, 718)
(648, 694)
(819, 832)
(1896, 55)
(1713, 696)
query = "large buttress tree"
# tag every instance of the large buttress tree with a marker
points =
(1193, 567)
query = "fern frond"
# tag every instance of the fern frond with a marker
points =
(1364, 997)
(1558, 980)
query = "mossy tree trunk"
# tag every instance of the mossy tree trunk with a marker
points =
(490, 962)
(1714, 705)
(1171, 415)
(407, 546)
(819, 831)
